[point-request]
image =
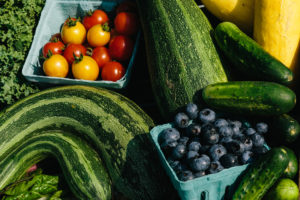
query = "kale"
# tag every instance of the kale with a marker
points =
(18, 19)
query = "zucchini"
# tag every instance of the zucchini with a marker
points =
(114, 125)
(82, 168)
(181, 55)
(250, 97)
(248, 56)
(261, 175)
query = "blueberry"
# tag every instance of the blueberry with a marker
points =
(194, 146)
(215, 167)
(250, 131)
(191, 155)
(229, 160)
(248, 144)
(247, 157)
(225, 140)
(258, 140)
(207, 115)
(179, 151)
(183, 140)
(235, 128)
(181, 120)
(216, 151)
(260, 150)
(180, 167)
(235, 147)
(239, 137)
(192, 110)
(262, 127)
(167, 148)
(193, 130)
(236, 124)
(204, 148)
(200, 163)
(168, 135)
(199, 174)
(210, 135)
(186, 175)
(220, 122)
(225, 131)
(173, 163)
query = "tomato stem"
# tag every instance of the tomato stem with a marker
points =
(77, 59)
(71, 22)
(89, 13)
(49, 54)
(106, 27)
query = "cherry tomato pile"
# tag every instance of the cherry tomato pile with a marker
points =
(96, 48)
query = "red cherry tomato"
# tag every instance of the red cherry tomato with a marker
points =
(72, 49)
(55, 37)
(126, 6)
(53, 47)
(112, 71)
(101, 56)
(120, 48)
(93, 18)
(126, 23)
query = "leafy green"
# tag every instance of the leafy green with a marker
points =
(18, 19)
(36, 186)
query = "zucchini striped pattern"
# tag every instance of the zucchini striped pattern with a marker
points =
(114, 125)
(182, 58)
(83, 170)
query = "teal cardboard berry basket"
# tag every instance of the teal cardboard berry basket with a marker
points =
(54, 13)
(209, 187)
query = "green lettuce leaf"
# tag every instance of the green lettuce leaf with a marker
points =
(36, 186)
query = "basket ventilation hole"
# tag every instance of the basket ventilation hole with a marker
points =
(203, 196)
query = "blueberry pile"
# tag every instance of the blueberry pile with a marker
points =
(202, 143)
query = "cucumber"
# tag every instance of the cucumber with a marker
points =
(285, 129)
(261, 175)
(248, 56)
(250, 97)
(114, 125)
(81, 165)
(181, 55)
(292, 168)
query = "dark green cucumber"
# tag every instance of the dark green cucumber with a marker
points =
(292, 168)
(248, 56)
(285, 129)
(250, 97)
(181, 55)
(261, 175)
(81, 165)
(114, 125)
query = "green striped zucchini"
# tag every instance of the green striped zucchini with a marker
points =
(114, 125)
(83, 170)
(181, 55)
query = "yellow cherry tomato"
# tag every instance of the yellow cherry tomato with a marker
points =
(85, 68)
(56, 66)
(73, 32)
(98, 35)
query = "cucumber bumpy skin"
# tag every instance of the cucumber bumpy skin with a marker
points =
(261, 175)
(250, 97)
(249, 57)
